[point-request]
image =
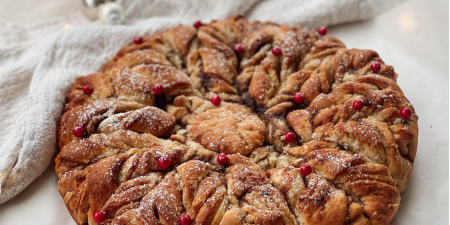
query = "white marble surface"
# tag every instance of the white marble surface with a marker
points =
(412, 37)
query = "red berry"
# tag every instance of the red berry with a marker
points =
(376, 67)
(276, 51)
(164, 162)
(358, 105)
(299, 98)
(78, 131)
(197, 24)
(87, 89)
(238, 48)
(322, 30)
(222, 158)
(306, 169)
(405, 113)
(185, 219)
(158, 89)
(216, 100)
(99, 217)
(137, 40)
(289, 137)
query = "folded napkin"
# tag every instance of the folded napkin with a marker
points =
(39, 63)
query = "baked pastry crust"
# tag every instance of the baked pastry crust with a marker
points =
(361, 160)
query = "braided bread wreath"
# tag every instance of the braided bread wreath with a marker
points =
(237, 122)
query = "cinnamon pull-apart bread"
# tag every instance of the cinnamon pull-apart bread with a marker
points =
(236, 122)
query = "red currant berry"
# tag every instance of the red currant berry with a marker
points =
(158, 89)
(87, 89)
(289, 137)
(306, 169)
(185, 219)
(276, 51)
(299, 98)
(99, 217)
(322, 30)
(137, 40)
(238, 48)
(376, 67)
(405, 113)
(222, 158)
(198, 24)
(358, 105)
(216, 100)
(164, 162)
(78, 131)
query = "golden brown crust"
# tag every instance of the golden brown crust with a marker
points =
(136, 58)
(145, 120)
(321, 203)
(361, 160)
(228, 129)
(98, 81)
(173, 81)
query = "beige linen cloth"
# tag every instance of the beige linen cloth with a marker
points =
(39, 63)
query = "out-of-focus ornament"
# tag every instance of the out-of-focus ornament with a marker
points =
(90, 8)
(111, 13)
(107, 11)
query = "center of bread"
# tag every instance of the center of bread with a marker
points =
(229, 129)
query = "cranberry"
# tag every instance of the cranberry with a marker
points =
(137, 40)
(185, 219)
(222, 158)
(99, 217)
(289, 137)
(299, 98)
(87, 89)
(78, 131)
(405, 113)
(197, 24)
(322, 30)
(158, 89)
(376, 67)
(306, 169)
(358, 105)
(164, 162)
(276, 51)
(238, 48)
(216, 100)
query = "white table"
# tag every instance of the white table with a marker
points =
(412, 37)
